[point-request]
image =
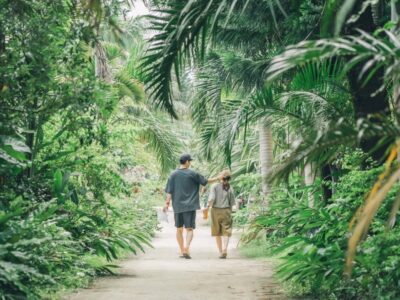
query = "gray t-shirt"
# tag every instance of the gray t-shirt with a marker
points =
(220, 198)
(184, 185)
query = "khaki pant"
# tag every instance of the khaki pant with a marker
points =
(221, 221)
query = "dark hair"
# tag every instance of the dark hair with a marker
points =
(227, 178)
(182, 162)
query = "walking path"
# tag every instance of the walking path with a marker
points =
(160, 274)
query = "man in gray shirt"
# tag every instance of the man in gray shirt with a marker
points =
(183, 190)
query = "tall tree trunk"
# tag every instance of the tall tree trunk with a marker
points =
(266, 157)
(309, 177)
(368, 99)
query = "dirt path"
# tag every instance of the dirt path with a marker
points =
(160, 274)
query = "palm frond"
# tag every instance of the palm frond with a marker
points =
(113, 51)
(373, 52)
(158, 133)
(129, 87)
(321, 146)
(162, 141)
(183, 31)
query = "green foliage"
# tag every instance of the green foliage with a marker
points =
(42, 244)
(35, 251)
(12, 154)
(67, 210)
(76, 129)
(311, 242)
(319, 97)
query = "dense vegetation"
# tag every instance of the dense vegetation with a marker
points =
(299, 98)
(304, 93)
(77, 179)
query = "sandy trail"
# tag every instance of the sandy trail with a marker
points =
(160, 274)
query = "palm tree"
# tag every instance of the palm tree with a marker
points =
(372, 64)
(376, 53)
(117, 62)
(245, 26)
(215, 79)
(185, 30)
(316, 97)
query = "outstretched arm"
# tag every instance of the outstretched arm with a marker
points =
(200, 179)
(214, 179)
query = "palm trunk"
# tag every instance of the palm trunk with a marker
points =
(309, 177)
(266, 158)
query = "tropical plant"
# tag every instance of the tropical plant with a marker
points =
(311, 241)
(184, 29)
(375, 53)
(66, 208)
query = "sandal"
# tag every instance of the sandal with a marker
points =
(186, 254)
(223, 255)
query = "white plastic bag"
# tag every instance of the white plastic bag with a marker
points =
(162, 216)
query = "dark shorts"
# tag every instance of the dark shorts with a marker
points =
(185, 219)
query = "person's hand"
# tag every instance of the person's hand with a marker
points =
(205, 213)
(165, 208)
(167, 203)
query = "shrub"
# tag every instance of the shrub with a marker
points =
(312, 242)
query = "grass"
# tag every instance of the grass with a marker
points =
(258, 249)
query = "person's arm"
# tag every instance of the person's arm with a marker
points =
(201, 180)
(167, 202)
(211, 197)
(214, 179)
(231, 198)
(168, 191)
